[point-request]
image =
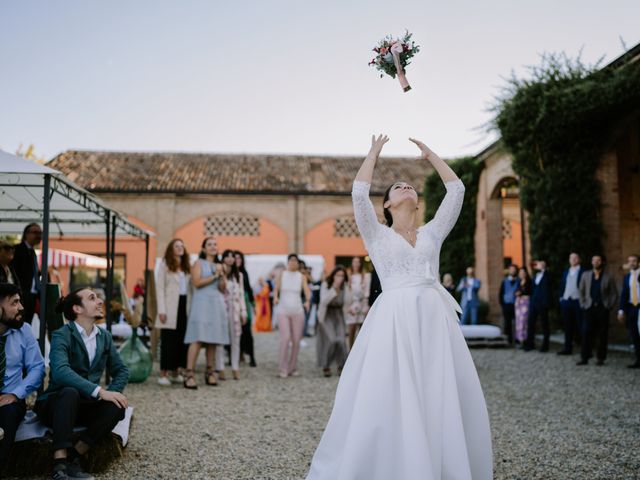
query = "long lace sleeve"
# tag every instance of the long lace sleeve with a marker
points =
(448, 211)
(364, 212)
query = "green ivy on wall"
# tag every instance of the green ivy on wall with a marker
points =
(458, 250)
(557, 125)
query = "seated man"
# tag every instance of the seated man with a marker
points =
(19, 354)
(80, 352)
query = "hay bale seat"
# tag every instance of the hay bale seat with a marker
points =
(32, 456)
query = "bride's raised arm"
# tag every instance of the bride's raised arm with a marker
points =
(449, 210)
(363, 210)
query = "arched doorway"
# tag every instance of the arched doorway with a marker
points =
(334, 238)
(512, 222)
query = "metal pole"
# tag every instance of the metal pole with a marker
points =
(146, 277)
(113, 262)
(45, 261)
(107, 294)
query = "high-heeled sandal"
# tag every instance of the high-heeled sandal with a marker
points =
(236, 375)
(221, 375)
(326, 372)
(208, 374)
(188, 375)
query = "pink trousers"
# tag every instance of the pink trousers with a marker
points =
(291, 327)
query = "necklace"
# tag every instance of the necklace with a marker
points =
(409, 235)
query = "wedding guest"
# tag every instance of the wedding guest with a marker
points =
(331, 346)
(7, 272)
(208, 324)
(570, 303)
(246, 339)
(80, 353)
(358, 307)
(306, 272)
(25, 263)
(375, 289)
(598, 295)
(629, 309)
(469, 286)
(263, 306)
(523, 297)
(21, 366)
(315, 287)
(539, 308)
(448, 284)
(507, 298)
(172, 295)
(290, 284)
(236, 313)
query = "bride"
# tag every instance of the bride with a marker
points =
(409, 403)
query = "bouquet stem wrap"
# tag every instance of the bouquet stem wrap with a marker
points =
(396, 50)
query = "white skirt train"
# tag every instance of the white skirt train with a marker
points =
(409, 403)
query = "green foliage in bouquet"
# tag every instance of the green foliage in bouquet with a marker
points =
(557, 124)
(458, 250)
(383, 61)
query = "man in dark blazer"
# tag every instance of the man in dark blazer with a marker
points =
(570, 310)
(539, 308)
(80, 353)
(25, 263)
(629, 309)
(507, 299)
(598, 295)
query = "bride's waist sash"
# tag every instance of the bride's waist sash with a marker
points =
(395, 282)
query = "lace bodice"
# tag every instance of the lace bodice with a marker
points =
(391, 254)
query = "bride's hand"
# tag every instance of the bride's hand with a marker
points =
(377, 144)
(424, 150)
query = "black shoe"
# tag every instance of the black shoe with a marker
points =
(253, 363)
(527, 349)
(75, 472)
(600, 363)
(544, 349)
(564, 352)
(582, 362)
(634, 365)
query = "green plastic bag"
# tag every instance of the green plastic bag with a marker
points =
(137, 357)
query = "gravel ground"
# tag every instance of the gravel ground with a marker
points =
(549, 419)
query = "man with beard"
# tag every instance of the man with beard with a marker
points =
(80, 352)
(19, 354)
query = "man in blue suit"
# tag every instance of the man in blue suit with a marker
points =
(539, 308)
(570, 303)
(630, 304)
(469, 301)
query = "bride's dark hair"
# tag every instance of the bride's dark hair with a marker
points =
(387, 214)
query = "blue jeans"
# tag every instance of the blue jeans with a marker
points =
(467, 310)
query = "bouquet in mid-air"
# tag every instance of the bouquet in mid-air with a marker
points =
(393, 55)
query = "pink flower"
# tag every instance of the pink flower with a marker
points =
(383, 51)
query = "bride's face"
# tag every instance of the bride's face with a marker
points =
(401, 192)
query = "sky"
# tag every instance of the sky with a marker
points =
(277, 76)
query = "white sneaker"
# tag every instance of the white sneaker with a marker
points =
(164, 381)
(177, 379)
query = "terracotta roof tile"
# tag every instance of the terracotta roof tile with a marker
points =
(229, 173)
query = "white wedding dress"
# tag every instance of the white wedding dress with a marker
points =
(409, 403)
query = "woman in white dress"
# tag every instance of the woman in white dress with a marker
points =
(409, 403)
(359, 304)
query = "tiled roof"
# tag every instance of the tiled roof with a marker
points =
(229, 173)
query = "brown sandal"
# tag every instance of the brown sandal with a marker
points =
(188, 375)
(207, 376)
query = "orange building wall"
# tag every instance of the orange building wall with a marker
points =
(321, 241)
(132, 248)
(272, 239)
